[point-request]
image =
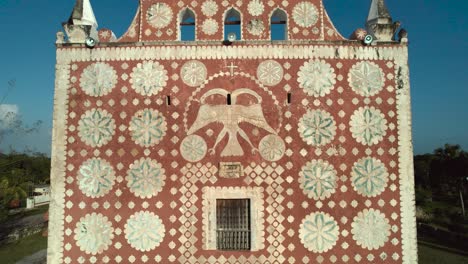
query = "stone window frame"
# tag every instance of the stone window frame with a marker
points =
(257, 227)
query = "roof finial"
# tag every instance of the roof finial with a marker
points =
(82, 22)
(379, 22)
(83, 14)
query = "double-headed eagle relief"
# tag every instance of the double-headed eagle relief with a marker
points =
(230, 116)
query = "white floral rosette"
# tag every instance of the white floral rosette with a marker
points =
(159, 15)
(319, 232)
(318, 179)
(305, 14)
(370, 229)
(366, 78)
(193, 73)
(148, 78)
(96, 127)
(272, 148)
(94, 233)
(193, 148)
(145, 178)
(144, 231)
(368, 126)
(317, 128)
(270, 72)
(369, 177)
(210, 26)
(147, 127)
(98, 79)
(317, 78)
(96, 177)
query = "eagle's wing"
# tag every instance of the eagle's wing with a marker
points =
(254, 115)
(206, 114)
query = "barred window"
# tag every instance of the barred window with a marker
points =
(233, 224)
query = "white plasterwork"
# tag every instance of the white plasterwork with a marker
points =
(57, 176)
(255, 194)
(395, 53)
(217, 52)
(406, 166)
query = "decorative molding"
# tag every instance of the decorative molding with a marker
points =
(59, 155)
(299, 51)
(406, 166)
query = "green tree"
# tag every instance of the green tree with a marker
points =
(10, 192)
(450, 168)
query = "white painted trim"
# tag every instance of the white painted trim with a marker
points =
(406, 167)
(217, 52)
(59, 155)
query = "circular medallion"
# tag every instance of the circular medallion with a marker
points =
(159, 15)
(255, 7)
(147, 127)
(96, 177)
(272, 148)
(368, 126)
(193, 73)
(317, 78)
(369, 177)
(318, 179)
(98, 79)
(366, 78)
(144, 231)
(370, 229)
(193, 148)
(145, 178)
(319, 232)
(148, 78)
(270, 72)
(317, 128)
(209, 8)
(210, 26)
(305, 14)
(96, 127)
(94, 233)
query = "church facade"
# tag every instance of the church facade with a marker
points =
(225, 131)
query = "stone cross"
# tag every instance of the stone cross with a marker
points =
(232, 67)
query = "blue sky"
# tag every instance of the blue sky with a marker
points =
(438, 52)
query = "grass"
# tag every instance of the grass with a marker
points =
(27, 246)
(430, 255)
(12, 253)
(25, 213)
(38, 210)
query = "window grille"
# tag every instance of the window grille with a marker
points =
(233, 224)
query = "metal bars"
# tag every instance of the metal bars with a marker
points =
(233, 224)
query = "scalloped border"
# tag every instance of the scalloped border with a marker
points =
(58, 164)
(302, 50)
(406, 166)
(397, 54)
